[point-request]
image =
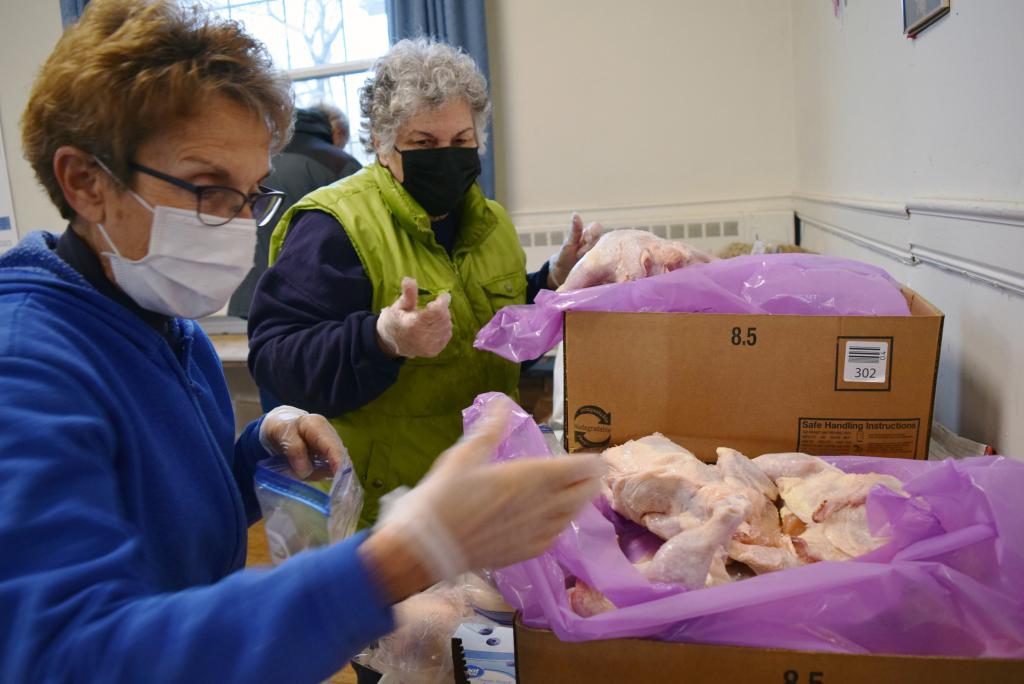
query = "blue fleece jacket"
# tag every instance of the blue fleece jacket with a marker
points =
(124, 506)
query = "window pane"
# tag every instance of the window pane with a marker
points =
(343, 92)
(304, 33)
(366, 29)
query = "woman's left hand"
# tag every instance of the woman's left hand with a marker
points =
(299, 436)
(577, 243)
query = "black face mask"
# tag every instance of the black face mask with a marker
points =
(438, 178)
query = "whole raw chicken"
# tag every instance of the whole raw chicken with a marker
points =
(627, 254)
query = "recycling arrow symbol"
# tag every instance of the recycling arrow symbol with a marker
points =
(603, 418)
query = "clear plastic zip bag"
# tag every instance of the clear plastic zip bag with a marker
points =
(303, 514)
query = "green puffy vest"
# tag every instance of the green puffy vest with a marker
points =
(394, 439)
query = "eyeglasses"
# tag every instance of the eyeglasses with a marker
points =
(218, 204)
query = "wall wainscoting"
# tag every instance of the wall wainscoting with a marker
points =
(708, 225)
(966, 257)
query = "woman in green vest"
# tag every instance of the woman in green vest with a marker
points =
(379, 283)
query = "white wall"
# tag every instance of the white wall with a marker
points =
(603, 103)
(879, 115)
(910, 154)
(28, 32)
(598, 103)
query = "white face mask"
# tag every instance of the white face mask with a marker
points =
(191, 269)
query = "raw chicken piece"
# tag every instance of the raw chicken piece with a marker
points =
(848, 531)
(740, 473)
(586, 601)
(654, 449)
(735, 467)
(717, 572)
(815, 498)
(623, 255)
(762, 559)
(667, 526)
(791, 525)
(813, 546)
(658, 490)
(761, 525)
(843, 535)
(652, 481)
(765, 525)
(662, 486)
(686, 558)
(791, 465)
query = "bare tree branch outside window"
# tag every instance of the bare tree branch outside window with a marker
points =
(302, 34)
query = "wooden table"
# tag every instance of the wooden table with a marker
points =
(260, 555)
(232, 348)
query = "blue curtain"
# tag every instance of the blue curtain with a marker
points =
(456, 22)
(71, 10)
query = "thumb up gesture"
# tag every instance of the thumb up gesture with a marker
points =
(404, 330)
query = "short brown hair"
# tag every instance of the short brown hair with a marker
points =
(130, 68)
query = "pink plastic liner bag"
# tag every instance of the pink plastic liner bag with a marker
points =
(949, 582)
(802, 284)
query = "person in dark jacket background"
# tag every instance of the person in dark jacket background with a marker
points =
(312, 159)
(321, 135)
(340, 130)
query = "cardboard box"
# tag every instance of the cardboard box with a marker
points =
(542, 658)
(823, 385)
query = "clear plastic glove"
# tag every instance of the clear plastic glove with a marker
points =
(303, 438)
(470, 513)
(404, 330)
(577, 243)
(419, 651)
(629, 254)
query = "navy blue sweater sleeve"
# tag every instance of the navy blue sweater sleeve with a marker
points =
(536, 281)
(312, 336)
(78, 598)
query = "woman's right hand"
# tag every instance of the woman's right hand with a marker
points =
(470, 513)
(404, 330)
(578, 241)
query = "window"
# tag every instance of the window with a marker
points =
(326, 46)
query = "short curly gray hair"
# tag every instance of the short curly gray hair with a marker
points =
(416, 74)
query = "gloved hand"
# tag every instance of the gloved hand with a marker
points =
(470, 513)
(301, 437)
(404, 330)
(577, 243)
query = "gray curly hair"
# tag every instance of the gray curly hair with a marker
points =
(415, 75)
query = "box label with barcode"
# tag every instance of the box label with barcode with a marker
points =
(866, 361)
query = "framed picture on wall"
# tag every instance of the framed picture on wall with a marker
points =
(920, 14)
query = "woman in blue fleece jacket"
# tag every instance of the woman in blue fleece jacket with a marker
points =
(124, 498)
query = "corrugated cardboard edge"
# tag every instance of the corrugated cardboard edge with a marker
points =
(915, 300)
(565, 386)
(627, 660)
